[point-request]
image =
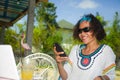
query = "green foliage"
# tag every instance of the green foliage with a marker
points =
(20, 28)
(113, 36)
(13, 37)
(46, 14)
(48, 45)
(10, 38)
(43, 40)
(39, 37)
(45, 33)
(0, 29)
(101, 19)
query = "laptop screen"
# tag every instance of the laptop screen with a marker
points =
(8, 68)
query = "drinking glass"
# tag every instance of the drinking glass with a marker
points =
(27, 69)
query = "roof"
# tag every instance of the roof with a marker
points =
(65, 24)
(13, 10)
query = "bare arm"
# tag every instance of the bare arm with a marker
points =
(59, 61)
(62, 71)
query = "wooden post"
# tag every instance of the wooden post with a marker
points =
(2, 35)
(30, 24)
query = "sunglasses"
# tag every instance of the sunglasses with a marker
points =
(86, 29)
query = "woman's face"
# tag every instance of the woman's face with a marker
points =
(85, 33)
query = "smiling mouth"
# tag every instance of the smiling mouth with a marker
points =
(84, 37)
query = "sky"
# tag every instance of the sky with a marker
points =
(73, 10)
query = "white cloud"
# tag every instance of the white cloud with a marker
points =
(87, 4)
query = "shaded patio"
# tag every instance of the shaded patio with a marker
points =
(12, 11)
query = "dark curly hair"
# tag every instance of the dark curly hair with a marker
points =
(96, 26)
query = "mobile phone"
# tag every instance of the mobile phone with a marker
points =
(59, 49)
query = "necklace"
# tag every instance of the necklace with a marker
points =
(85, 61)
(89, 51)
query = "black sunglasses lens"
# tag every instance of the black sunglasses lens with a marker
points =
(80, 31)
(86, 29)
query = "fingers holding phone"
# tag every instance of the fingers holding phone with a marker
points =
(59, 53)
(59, 49)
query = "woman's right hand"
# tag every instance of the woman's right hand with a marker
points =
(59, 61)
(58, 58)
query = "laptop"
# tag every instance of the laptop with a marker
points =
(8, 68)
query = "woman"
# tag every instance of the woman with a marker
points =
(90, 60)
